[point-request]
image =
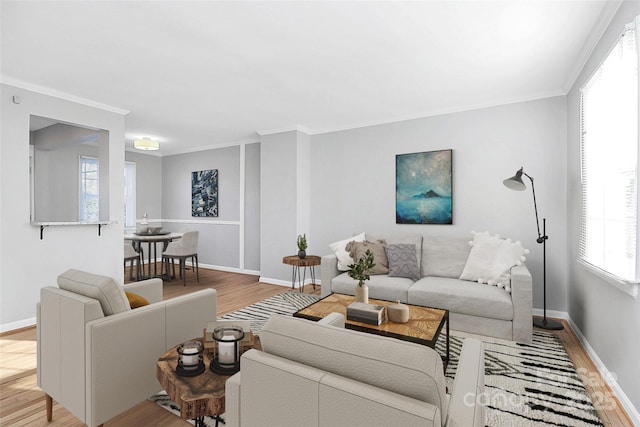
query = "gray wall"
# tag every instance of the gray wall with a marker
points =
(252, 208)
(148, 184)
(353, 180)
(220, 237)
(608, 317)
(278, 204)
(63, 247)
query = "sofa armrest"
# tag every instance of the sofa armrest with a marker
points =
(521, 296)
(232, 401)
(333, 319)
(329, 270)
(150, 289)
(465, 405)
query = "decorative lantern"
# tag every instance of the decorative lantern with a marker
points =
(190, 360)
(226, 357)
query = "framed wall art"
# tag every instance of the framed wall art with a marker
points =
(204, 193)
(424, 191)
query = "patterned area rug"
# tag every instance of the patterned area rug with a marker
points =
(525, 384)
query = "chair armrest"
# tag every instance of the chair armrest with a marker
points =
(522, 299)
(232, 401)
(333, 319)
(150, 289)
(465, 405)
(329, 270)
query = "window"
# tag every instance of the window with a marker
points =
(609, 165)
(89, 189)
(129, 194)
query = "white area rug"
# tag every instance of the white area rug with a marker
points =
(525, 384)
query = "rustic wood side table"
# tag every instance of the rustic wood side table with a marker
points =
(309, 261)
(198, 396)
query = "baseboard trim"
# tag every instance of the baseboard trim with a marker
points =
(609, 377)
(6, 327)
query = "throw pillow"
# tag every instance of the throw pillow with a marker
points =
(358, 249)
(102, 288)
(402, 261)
(136, 300)
(344, 259)
(491, 258)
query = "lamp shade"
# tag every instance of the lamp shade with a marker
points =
(515, 182)
(146, 144)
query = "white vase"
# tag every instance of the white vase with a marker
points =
(362, 293)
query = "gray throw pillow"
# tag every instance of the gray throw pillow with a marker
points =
(402, 261)
(358, 249)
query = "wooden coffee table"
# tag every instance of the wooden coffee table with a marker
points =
(424, 325)
(199, 396)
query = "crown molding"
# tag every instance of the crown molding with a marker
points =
(59, 94)
(609, 10)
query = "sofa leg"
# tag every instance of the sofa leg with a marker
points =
(49, 401)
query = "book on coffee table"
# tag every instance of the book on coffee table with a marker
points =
(366, 313)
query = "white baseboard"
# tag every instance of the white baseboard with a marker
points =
(286, 283)
(610, 379)
(6, 327)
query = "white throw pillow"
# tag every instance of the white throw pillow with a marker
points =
(344, 259)
(491, 258)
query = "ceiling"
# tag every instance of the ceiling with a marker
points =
(197, 74)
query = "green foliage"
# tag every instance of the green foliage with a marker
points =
(302, 242)
(360, 270)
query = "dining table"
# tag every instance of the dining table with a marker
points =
(137, 239)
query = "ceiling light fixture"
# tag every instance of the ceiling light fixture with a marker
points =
(146, 144)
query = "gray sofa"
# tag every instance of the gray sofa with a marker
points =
(474, 307)
(315, 374)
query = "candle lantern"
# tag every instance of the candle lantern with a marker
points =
(190, 359)
(226, 357)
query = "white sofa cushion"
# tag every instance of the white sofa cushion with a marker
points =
(461, 296)
(491, 258)
(344, 259)
(102, 288)
(444, 256)
(402, 367)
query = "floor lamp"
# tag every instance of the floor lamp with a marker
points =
(515, 183)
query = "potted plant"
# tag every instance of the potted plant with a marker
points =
(360, 271)
(302, 246)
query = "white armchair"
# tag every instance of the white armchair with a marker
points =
(96, 356)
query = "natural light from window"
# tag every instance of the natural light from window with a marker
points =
(609, 163)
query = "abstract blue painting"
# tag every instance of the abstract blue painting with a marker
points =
(424, 188)
(204, 193)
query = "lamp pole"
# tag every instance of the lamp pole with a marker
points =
(515, 183)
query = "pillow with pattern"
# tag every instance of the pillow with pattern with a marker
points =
(402, 261)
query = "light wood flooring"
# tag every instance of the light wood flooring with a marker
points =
(22, 403)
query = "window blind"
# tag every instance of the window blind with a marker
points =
(609, 163)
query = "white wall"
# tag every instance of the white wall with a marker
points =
(26, 262)
(353, 180)
(608, 317)
(148, 183)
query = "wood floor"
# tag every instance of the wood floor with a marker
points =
(22, 403)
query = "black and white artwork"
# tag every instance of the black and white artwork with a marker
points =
(204, 193)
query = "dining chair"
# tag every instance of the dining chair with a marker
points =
(186, 247)
(131, 255)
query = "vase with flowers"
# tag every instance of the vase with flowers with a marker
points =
(302, 246)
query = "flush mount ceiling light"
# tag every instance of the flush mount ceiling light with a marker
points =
(146, 144)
